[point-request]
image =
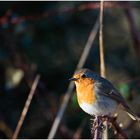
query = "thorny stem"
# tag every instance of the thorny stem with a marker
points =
(98, 126)
(96, 130)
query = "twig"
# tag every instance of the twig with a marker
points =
(8, 18)
(71, 85)
(82, 7)
(102, 63)
(26, 107)
(77, 134)
(117, 127)
(5, 129)
(133, 29)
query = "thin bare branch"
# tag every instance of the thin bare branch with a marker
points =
(71, 85)
(82, 7)
(26, 107)
(116, 126)
(5, 129)
(133, 29)
(102, 61)
(78, 132)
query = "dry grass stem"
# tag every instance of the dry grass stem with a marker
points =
(71, 85)
(5, 129)
(102, 61)
(26, 107)
(78, 132)
(133, 29)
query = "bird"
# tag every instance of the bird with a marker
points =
(97, 96)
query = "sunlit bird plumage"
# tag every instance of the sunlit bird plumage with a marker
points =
(97, 96)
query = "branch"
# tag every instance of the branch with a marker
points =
(102, 62)
(77, 134)
(117, 127)
(133, 29)
(5, 129)
(71, 85)
(26, 107)
(9, 18)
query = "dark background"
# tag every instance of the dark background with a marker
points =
(48, 38)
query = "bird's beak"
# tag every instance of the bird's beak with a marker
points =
(73, 79)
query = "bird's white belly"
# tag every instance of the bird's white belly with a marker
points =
(102, 106)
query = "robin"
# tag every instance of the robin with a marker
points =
(97, 96)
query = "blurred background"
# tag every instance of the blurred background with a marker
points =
(48, 38)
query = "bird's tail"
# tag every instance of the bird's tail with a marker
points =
(132, 114)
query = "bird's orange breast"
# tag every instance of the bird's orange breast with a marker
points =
(85, 91)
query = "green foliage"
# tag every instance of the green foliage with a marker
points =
(124, 90)
(74, 101)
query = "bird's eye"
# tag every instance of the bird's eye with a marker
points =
(83, 76)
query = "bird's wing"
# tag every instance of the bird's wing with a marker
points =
(107, 89)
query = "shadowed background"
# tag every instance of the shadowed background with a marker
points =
(48, 38)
